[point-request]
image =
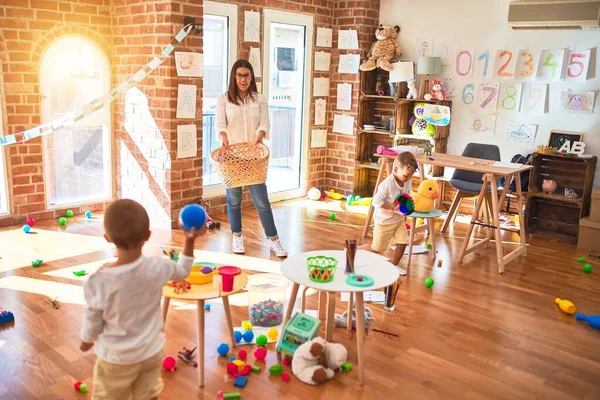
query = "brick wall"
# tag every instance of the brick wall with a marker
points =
(27, 28)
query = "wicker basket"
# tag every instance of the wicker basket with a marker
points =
(242, 164)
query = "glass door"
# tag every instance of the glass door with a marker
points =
(286, 85)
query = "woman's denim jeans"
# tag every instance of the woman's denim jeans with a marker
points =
(260, 199)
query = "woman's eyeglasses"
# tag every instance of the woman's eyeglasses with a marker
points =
(240, 77)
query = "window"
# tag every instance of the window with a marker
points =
(3, 186)
(77, 159)
(220, 52)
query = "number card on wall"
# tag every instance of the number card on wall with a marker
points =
(487, 97)
(505, 64)
(510, 96)
(464, 62)
(551, 65)
(468, 95)
(483, 67)
(526, 65)
(577, 65)
(534, 99)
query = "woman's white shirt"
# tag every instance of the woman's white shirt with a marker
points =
(242, 122)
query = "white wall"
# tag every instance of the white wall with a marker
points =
(481, 24)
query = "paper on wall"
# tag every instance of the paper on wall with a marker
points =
(324, 37)
(344, 96)
(349, 63)
(186, 101)
(254, 60)
(576, 102)
(343, 124)
(251, 26)
(534, 98)
(424, 46)
(518, 132)
(321, 87)
(322, 61)
(187, 143)
(320, 111)
(348, 39)
(318, 138)
(188, 64)
(403, 71)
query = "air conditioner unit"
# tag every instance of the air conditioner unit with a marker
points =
(554, 14)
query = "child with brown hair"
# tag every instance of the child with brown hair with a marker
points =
(390, 223)
(122, 315)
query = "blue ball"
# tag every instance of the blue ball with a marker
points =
(192, 216)
(248, 336)
(223, 349)
(88, 214)
(238, 336)
(26, 228)
(207, 307)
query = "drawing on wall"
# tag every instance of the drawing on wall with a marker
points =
(579, 103)
(481, 123)
(343, 124)
(424, 46)
(510, 96)
(534, 98)
(464, 62)
(487, 96)
(448, 86)
(322, 61)
(551, 65)
(348, 39)
(349, 63)
(344, 96)
(254, 60)
(526, 65)
(518, 132)
(186, 101)
(444, 48)
(403, 71)
(321, 87)
(318, 138)
(320, 111)
(577, 65)
(436, 115)
(187, 143)
(482, 67)
(188, 64)
(251, 26)
(505, 64)
(324, 37)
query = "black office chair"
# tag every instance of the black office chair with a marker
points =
(468, 183)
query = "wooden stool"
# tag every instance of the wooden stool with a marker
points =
(429, 216)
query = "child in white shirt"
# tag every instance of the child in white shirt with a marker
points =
(390, 223)
(122, 315)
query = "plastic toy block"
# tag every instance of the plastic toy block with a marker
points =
(232, 395)
(240, 364)
(429, 246)
(232, 358)
(79, 273)
(246, 326)
(240, 381)
(37, 263)
(256, 368)
(6, 316)
(276, 370)
(346, 367)
(207, 307)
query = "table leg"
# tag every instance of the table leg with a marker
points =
(321, 308)
(411, 239)
(465, 244)
(431, 228)
(329, 325)
(229, 322)
(350, 310)
(200, 315)
(522, 233)
(291, 301)
(360, 336)
(383, 165)
(303, 300)
(422, 172)
(165, 310)
(496, 223)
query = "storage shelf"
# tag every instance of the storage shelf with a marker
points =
(405, 101)
(368, 166)
(415, 137)
(375, 131)
(559, 197)
(376, 96)
(552, 235)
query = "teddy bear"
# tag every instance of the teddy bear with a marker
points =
(412, 89)
(383, 50)
(437, 93)
(315, 361)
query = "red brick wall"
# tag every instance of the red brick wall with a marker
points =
(27, 28)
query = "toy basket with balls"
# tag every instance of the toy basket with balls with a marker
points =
(321, 269)
(241, 164)
(404, 203)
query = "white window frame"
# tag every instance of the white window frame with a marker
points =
(46, 108)
(3, 180)
(231, 12)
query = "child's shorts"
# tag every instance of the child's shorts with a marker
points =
(116, 381)
(382, 234)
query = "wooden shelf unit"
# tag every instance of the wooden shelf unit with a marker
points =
(555, 216)
(373, 109)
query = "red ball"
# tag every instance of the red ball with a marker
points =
(260, 353)
(30, 221)
(232, 368)
(287, 361)
(323, 195)
(242, 354)
(359, 278)
(285, 377)
(77, 384)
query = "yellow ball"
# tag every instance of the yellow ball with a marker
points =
(272, 333)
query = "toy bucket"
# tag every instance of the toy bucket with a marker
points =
(266, 299)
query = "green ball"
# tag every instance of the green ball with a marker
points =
(587, 268)
(262, 340)
(429, 282)
(69, 213)
(581, 259)
(62, 221)
(332, 216)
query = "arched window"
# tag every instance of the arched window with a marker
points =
(77, 159)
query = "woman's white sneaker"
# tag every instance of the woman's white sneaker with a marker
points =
(237, 244)
(277, 247)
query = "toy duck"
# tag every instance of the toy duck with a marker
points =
(427, 192)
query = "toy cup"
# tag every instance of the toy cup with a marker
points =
(228, 274)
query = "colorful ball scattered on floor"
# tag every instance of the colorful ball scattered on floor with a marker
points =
(587, 268)
(192, 216)
(69, 213)
(242, 354)
(26, 228)
(248, 336)
(314, 194)
(238, 336)
(429, 282)
(272, 333)
(88, 214)
(62, 221)
(260, 353)
(262, 340)
(30, 221)
(223, 349)
(332, 216)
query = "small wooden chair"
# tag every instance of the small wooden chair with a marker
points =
(428, 216)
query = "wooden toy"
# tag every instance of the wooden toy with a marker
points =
(300, 329)
(240, 381)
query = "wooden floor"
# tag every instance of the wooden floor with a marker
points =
(476, 334)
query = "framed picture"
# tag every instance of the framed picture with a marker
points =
(558, 138)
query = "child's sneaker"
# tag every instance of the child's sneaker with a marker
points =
(237, 244)
(277, 247)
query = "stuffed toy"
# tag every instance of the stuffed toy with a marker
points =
(428, 191)
(404, 203)
(306, 362)
(383, 50)
(336, 354)
(412, 89)
(437, 93)
(340, 321)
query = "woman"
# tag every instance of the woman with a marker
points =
(242, 115)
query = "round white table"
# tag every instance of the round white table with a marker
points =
(366, 263)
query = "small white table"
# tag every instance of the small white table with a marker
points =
(377, 267)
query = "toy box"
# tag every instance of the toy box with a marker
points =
(300, 329)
